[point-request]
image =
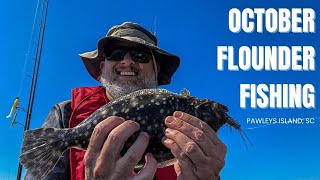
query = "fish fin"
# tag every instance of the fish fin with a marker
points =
(163, 164)
(233, 123)
(185, 92)
(167, 163)
(41, 150)
(142, 92)
(245, 138)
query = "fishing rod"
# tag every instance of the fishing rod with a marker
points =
(43, 19)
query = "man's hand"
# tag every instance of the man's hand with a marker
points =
(200, 153)
(102, 159)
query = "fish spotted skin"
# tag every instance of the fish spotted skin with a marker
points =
(43, 147)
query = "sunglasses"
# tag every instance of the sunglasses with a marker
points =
(136, 55)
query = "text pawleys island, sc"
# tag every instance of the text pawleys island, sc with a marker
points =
(271, 58)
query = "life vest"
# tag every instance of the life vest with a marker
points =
(85, 101)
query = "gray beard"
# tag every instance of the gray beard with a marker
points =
(120, 88)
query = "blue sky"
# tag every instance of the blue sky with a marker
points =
(192, 30)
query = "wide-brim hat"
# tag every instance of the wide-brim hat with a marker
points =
(131, 35)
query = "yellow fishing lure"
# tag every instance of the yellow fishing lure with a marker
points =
(14, 106)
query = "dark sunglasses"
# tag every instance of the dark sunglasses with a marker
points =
(136, 55)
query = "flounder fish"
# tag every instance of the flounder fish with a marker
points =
(43, 147)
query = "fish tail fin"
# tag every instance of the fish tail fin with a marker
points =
(233, 123)
(41, 150)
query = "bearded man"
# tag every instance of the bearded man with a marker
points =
(128, 59)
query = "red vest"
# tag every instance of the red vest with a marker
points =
(85, 101)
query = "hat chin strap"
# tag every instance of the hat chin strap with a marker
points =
(155, 68)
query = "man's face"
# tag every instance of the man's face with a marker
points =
(125, 76)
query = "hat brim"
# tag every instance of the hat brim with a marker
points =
(168, 62)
